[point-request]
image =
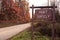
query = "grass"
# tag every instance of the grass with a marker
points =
(7, 24)
(26, 35)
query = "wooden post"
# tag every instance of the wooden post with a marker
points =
(32, 36)
(53, 28)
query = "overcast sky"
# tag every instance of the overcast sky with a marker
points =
(37, 3)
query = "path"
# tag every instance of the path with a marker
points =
(8, 32)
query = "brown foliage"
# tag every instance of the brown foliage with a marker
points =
(13, 12)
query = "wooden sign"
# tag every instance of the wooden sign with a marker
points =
(44, 14)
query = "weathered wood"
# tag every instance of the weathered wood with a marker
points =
(44, 7)
(32, 37)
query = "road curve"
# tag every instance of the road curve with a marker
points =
(8, 32)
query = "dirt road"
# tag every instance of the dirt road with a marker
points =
(8, 32)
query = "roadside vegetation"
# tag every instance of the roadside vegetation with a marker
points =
(42, 30)
(26, 35)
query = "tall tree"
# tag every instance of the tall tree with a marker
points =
(16, 10)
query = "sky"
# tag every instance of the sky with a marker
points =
(37, 3)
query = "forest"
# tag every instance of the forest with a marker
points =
(14, 12)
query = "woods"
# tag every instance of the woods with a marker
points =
(15, 12)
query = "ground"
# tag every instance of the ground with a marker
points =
(8, 32)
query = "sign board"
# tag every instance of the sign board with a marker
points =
(44, 13)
